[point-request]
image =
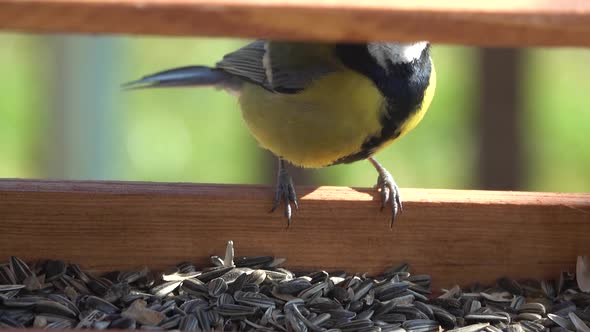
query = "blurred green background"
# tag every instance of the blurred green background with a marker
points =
(62, 115)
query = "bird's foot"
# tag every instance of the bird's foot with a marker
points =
(285, 192)
(388, 189)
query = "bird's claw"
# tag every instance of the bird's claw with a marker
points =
(285, 192)
(389, 193)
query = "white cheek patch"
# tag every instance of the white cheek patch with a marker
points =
(396, 52)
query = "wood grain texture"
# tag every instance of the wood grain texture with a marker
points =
(457, 236)
(486, 23)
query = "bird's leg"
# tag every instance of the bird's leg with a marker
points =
(285, 191)
(388, 189)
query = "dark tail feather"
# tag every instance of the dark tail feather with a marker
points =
(183, 76)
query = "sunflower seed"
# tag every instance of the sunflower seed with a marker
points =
(278, 275)
(214, 273)
(257, 294)
(528, 316)
(514, 328)
(500, 297)
(578, 323)
(20, 269)
(492, 328)
(314, 290)
(51, 307)
(7, 322)
(49, 318)
(235, 310)
(253, 288)
(96, 303)
(90, 319)
(99, 285)
(471, 328)
(295, 286)
(166, 288)
(563, 322)
(510, 285)
(474, 306)
(392, 318)
(6, 275)
(563, 308)
(54, 269)
(216, 287)
(583, 273)
(548, 288)
(8, 288)
(254, 299)
(21, 302)
(451, 293)
(355, 325)
(233, 274)
(444, 318)
(256, 277)
(59, 325)
(170, 323)
(392, 328)
(390, 290)
(188, 323)
(420, 325)
(367, 314)
(254, 262)
(123, 323)
(531, 326)
(486, 318)
(362, 289)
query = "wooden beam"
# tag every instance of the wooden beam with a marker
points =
(456, 236)
(489, 23)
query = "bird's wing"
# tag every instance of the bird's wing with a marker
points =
(280, 66)
(246, 63)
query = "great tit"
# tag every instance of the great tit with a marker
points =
(316, 105)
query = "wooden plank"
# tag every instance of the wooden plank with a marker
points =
(457, 236)
(489, 23)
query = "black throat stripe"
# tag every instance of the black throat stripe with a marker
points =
(403, 86)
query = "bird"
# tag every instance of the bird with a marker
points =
(316, 105)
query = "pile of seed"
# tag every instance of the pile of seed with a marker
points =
(255, 294)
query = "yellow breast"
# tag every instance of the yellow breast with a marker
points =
(328, 120)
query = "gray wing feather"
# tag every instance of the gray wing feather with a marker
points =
(289, 79)
(247, 63)
(252, 63)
